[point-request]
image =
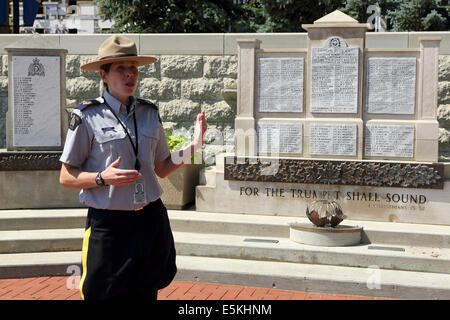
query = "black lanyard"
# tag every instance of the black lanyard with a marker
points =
(137, 164)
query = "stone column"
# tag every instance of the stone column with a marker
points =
(427, 126)
(245, 133)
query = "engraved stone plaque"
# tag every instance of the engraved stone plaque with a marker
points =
(280, 84)
(390, 85)
(334, 77)
(280, 137)
(389, 140)
(36, 101)
(333, 139)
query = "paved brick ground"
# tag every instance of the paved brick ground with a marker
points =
(66, 288)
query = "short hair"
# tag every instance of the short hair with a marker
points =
(105, 67)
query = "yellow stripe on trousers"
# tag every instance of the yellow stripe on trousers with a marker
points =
(84, 254)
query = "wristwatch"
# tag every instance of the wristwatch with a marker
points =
(99, 180)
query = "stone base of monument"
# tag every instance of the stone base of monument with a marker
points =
(369, 203)
(30, 179)
(338, 236)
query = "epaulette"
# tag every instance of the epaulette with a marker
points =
(87, 103)
(154, 106)
(142, 101)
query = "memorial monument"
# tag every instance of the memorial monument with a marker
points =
(335, 121)
(36, 126)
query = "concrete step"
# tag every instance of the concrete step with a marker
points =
(315, 278)
(422, 259)
(33, 219)
(374, 232)
(40, 264)
(267, 274)
(41, 240)
(207, 176)
(388, 233)
(411, 258)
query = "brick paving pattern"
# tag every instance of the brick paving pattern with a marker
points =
(66, 288)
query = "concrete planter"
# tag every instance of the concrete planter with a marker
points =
(179, 186)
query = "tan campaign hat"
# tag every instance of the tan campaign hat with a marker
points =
(114, 49)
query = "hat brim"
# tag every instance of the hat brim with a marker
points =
(95, 65)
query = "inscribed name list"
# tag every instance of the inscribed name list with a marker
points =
(36, 101)
(390, 85)
(389, 141)
(280, 137)
(334, 80)
(280, 84)
(333, 139)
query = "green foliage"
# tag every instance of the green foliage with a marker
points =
(176, 16)
(420, 15)
(218, 16)
(289, 15)
(176, 142)
(403, 15)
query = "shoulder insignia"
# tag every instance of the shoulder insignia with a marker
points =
(142, 101)
(87, 103)
(74, 122)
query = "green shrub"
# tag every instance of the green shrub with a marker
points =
(176, 142)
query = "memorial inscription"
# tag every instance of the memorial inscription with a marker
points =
(334, 77)
(390, 85)
(389, 140)
(280, 137)
(332, 139)
(36, 101)
(280, 84)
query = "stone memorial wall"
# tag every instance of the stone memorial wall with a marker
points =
(366, 128)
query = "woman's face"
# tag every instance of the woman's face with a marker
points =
(122, 79)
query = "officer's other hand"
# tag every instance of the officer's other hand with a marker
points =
(200, 129)
(119, 177)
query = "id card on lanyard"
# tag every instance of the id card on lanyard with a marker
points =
(140, 196)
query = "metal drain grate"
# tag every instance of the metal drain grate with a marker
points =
(261, 240)
(386, 248)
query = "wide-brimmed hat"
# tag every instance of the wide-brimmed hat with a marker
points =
(114, 49)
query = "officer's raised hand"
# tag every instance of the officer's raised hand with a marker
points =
(199, 131)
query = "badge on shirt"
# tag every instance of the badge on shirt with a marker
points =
(140, 196)
(75, 120)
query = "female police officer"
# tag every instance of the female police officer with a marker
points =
(114, 146)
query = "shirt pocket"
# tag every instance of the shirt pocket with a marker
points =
(109, 139)
(148, 144)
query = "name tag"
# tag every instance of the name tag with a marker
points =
(140, 197)
(105, 130)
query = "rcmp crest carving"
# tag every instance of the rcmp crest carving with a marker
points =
(36, 68)
(335, 42)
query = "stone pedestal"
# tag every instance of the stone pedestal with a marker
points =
(30, 179)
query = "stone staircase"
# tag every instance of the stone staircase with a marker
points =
(407, 261)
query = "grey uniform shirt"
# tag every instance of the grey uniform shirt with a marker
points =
(95, 139)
